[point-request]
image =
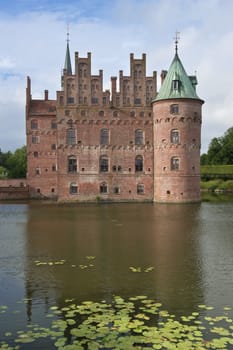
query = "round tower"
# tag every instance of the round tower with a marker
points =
(177, 137)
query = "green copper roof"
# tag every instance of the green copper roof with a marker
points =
(67, 65)
(177, 84)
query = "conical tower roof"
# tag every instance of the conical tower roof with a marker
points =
(67, 64)
(177, 84)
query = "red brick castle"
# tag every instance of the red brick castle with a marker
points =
(130, 144)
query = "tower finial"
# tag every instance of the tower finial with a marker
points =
(68, 34)
(177, 38)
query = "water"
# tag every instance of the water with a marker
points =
(189, 246)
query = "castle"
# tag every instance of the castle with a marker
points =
(130, 144)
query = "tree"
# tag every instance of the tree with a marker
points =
(220, 150)
(17, 163)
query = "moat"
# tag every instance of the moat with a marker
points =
(180, 255)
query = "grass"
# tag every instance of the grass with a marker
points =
(217, 169)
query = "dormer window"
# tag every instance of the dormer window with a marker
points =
(176, 84)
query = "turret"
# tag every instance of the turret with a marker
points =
(177, 137)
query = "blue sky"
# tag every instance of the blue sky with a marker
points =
(33, 42)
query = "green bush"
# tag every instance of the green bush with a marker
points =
(210, 185)
(226, 185)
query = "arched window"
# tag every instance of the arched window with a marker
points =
(175, 137)
(139, 163)
(103, 164)
(139, 137)
(73, 188)
(70, 137)
(72, 164)
(34, 124)
(175, 163)
(103, 187)
(101, 113)
(104, 136)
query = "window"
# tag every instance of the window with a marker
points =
(73, 188)
(54, 167)
(70, 100)
(139, 163)
(70, 137)
(101, 113)
(176, 84)
(53, 124)
(114, 168)
(53, 146)
(132, 114)
(175, 163)
(34, 124)
(116, 190)
(35, 139)
(36, 154)
(175, 136)
(140, 189)
(103, 164)
(103, 187)
(104, 100)
(94, 100)
(137, 101)
(37, 171)
(138, 137)
(104, 136)
(72, 164)
(115, 114)
(174, 109)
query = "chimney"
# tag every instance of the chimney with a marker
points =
(163, 75)
(46, 95)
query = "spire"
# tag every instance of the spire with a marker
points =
(67, 65)
(177, 84)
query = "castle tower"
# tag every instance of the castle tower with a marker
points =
(177, 136)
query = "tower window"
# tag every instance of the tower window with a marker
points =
(72, 164)
(174, 109)
(34, 124)
(175, 136)
(35, 139)
(176, 84)
(70, 137)
(103, 164)
(175, 163)
(104, 136)
(138, 137)
(138, 163)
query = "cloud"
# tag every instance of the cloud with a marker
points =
(34, 45)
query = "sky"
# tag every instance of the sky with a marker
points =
(33, 43)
